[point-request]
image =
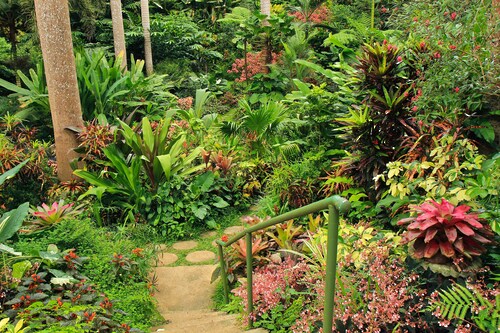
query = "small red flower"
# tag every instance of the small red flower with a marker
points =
(422, 45)
(414, 109)
(415, 19)
(224, 238)
(399, 59)
(437, 55)
(137, 251)
(453, 47)
(453, 16)
(456, 89)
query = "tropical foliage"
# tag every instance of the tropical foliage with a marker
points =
(390, 104)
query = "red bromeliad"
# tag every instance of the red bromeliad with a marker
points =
(443, 232)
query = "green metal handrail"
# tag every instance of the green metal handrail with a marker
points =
(336, 205)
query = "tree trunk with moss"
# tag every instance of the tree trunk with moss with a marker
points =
(52, 17)
(148, 54)
(118, 31)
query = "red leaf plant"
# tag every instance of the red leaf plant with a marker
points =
(443, 233)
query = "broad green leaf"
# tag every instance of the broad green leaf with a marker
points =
(199, 212)
(19, 268)
(147, 134)
(166, 164)
(220, 203)
(12, 172)
(11, 221)
(7, 249)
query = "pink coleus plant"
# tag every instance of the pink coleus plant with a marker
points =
(443, 232)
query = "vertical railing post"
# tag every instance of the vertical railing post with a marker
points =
(331, 267)
(248, 238)
(223, 273)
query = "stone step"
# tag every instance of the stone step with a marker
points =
(197, 317)
(202, 321)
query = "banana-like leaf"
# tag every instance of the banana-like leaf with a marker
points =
(11, 221)
(12, 172)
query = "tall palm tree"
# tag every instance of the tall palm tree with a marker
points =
(148, 54)
(118, 31)
(52, 17)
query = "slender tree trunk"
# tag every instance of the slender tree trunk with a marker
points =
(265, 9)
(148, 54)
(118, 31)
(52, 17)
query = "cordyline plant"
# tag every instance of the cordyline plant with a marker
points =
(443, 233)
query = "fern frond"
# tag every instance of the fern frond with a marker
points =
(457, 302)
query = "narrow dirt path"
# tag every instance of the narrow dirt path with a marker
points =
(185, 292)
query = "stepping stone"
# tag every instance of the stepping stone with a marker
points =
(185, 245)
(165, 259)
(208, 234)
(200, 256)
(183, 288)
(234, 230)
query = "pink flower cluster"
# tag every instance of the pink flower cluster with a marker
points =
(256, 63)
(320, 15)
(270, 284)
(369, 298)
(185, 103)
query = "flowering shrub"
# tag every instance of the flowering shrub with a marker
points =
(370, 298)
(271, 284)
(256, 63)
(319, 15)
(443, 233)
(185, 103)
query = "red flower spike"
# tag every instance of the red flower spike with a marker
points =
(453, 16)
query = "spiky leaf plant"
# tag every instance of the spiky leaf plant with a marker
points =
(442, 233)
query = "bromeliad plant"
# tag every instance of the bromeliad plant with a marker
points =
(46, 216)
(446, 234)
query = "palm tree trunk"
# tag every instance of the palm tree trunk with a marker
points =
(265, 9)
(148, 55)
(118, 31)
(52, 17)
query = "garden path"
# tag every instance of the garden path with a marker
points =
(185, 293)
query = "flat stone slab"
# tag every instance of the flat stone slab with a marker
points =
(234, 230)
(184, 288)
(185, 245)
(200, 256)
(165, 259)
